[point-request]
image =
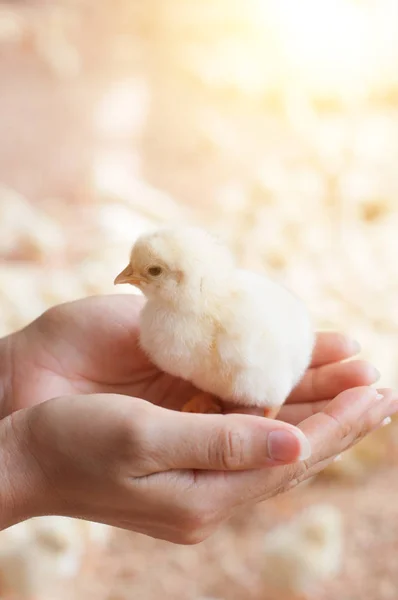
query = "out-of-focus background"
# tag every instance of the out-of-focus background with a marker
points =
(272, 122)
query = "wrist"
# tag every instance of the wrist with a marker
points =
(5, 376)
(23, 488)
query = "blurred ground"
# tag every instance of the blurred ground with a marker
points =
(117, 115)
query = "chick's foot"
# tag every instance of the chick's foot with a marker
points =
(272, 412)
(203, 403)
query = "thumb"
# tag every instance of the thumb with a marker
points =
(223, 442)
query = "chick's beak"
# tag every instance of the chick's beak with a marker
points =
(127, 276)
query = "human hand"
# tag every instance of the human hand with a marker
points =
(91, 346)
(175, 476)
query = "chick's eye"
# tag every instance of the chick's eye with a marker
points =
(155, 271)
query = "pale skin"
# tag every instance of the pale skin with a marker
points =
(87, 429)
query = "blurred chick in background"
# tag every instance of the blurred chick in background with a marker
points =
(40, 555)
(238, 336)
(302, 553)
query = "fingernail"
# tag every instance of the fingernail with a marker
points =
(386, 421)
(379, 396)
(376, 374)
(355, 347)
(286, 445)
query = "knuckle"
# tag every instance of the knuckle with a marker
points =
(365, 426)
(53, 313)
(344, 428)
(49, 319)
(196, 518)
(231, 449)
(293, 475)
(372, 419)
(193, 520)
(191, 538)
(135, 434)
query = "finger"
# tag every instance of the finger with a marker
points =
(350, 415)
(330, 380)
(344, 421)
(177, 440)
(295, 413)
(378, 415)
(332, 347)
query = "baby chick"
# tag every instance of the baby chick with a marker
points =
(242, 339)
(302, 553)
(40, 556)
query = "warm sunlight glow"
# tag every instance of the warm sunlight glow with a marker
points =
(341, 46)
(114, 173)
(121, 111)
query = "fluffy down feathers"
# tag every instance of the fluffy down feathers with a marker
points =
(233, 333)
(301, 553)
(39, 556)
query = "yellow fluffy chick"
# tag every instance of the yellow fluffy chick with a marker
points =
(302, 553)
(40, 556)
(238, 336)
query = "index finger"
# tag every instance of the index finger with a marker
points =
(333, 347)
